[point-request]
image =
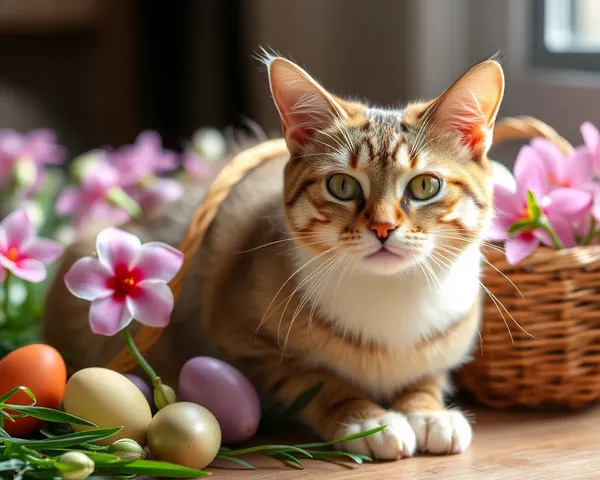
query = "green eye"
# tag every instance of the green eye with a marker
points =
(343, 187)
(424, 187)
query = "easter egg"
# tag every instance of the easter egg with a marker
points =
(226, 392)
(108, 399)
(40, 368)
(143, 386)
(186, 434)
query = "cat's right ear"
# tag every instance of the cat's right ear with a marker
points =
(304, 106)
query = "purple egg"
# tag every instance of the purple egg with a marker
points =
(143, 386)
(224, 391)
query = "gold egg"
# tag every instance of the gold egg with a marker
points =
(186, 434)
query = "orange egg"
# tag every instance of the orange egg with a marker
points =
(40, 368)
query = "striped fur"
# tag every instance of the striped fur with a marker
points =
(285, 286)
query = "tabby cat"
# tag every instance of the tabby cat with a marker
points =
(354, 260)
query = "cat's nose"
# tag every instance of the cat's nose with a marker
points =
(382, 230)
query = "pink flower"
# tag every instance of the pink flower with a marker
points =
(195, 165)
(144, 158)
(560, 206)
(591, 138)
(29, 152)
(128, 280)
(92, 198)
(21, 252)
(156, 192)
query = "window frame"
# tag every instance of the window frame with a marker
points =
(541, 57)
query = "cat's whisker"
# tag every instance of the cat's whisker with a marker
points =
(278, 242)
(314, 258)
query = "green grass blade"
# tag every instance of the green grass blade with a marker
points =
(150, 467)
(266, 449)
(14, 391)
(69, 440)
(352, 456)
(288, 459)
(4, 433)
(343, 439)
(50, 415)
(303, 400)
(239, 461)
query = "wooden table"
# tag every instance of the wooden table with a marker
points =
(506, 445)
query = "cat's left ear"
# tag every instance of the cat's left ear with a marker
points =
(469, 107)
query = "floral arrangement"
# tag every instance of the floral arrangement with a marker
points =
(99, 422)
(43, 204)
(550, 199)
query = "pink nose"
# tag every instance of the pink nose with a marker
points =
(382, 230)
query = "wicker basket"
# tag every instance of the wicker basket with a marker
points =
(550, 357)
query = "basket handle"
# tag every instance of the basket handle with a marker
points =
(510, 128)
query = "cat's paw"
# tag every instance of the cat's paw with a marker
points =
(442, 432)
(395, 441)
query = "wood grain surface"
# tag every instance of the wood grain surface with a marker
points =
(506, 445)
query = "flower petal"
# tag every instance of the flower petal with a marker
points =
(506, 204)
(590, 135)
(153, 305)
(530, 173)
(29, 270)
(519, 247)
(87, 279)
(18, 229)
(43, 249)
(116, 247)
(551, 157)
(567, 202)
(68, 201)
(579, 168)
(158, 261)
(109, 316)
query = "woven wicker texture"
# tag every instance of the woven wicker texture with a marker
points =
(550, 357)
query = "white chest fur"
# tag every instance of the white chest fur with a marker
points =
(398, 312)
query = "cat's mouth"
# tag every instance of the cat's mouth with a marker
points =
(384, 254)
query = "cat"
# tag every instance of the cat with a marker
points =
(353, 259)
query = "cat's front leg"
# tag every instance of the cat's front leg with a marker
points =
(341, 409)
(437, 430)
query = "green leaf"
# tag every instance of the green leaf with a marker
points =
(239, 461)
(15, 390)
(288, 459)
(151, 467)
(4, 433)
(50, 415)
(12, 464)
(96, 457)
(535, 212)
(69, 440)
(343, 439)
(523, 224)
(327, 454)
(303, 400)
(268, 449)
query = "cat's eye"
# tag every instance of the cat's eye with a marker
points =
(424, 187)
(343, 187)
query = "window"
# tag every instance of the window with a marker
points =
(567, 34)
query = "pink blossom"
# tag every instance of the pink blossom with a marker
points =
(559, 205)
(128, 280)
(591, 138)
(30, 152)
(144, 158)
(21, 252)
(92, 198)
(195, 165)
(156, 192)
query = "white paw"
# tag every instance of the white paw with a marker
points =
(395, 441)
(442, 432)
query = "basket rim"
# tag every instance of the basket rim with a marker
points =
(579, 257)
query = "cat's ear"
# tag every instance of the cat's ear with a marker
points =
(469, 107)
(304, 106)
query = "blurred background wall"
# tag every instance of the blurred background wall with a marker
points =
(99, 71)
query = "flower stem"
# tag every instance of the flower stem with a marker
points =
(138, 356)
(591, 234)
(545, 225)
